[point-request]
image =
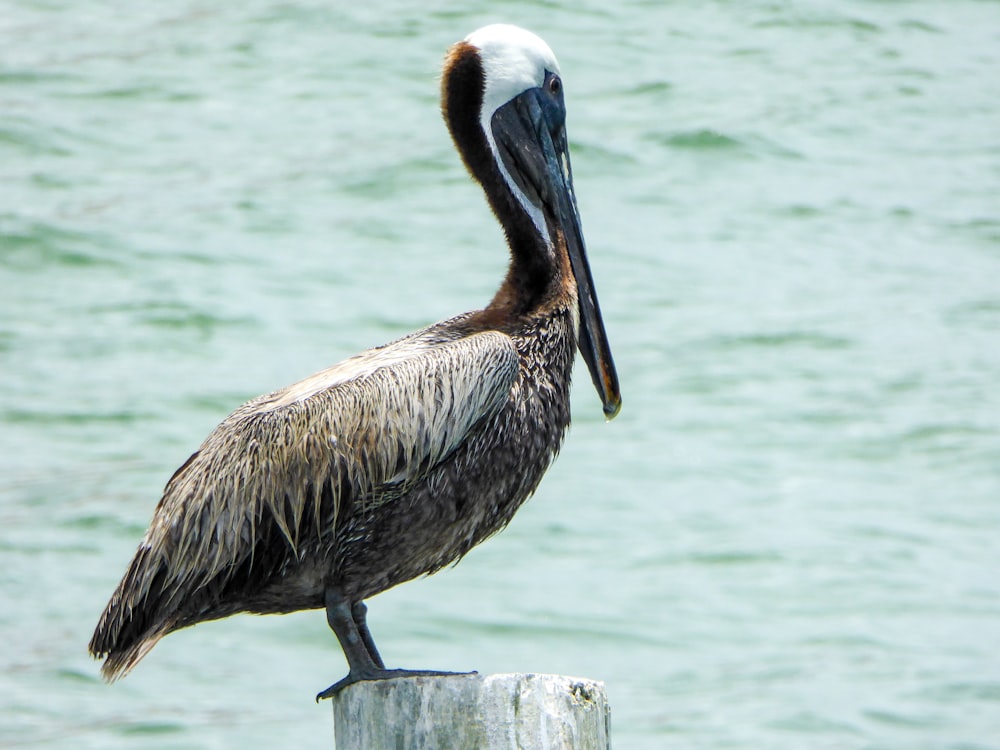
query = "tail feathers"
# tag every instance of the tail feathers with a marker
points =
(134, 620)
(120, 662)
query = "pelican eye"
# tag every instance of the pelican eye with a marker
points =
(555, 85)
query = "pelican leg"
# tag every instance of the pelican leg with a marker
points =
(349, 624)
(360, 614)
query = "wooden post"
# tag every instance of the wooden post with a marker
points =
(474, 712)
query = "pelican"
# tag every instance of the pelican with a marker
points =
(395, 462)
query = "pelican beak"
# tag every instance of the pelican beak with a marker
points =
(530, 135)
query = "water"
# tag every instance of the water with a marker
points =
(787, 539)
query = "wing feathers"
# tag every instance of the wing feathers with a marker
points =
(360, 432)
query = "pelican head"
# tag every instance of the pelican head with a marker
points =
(502, 97)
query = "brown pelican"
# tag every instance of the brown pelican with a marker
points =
(396, 462)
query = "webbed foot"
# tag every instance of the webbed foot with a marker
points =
(380, 674)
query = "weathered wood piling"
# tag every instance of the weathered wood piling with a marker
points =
(474, 712)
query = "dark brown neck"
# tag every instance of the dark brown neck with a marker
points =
(534, 277)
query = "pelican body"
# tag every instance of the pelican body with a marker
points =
(396, 462)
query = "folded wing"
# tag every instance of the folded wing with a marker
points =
(357, 434)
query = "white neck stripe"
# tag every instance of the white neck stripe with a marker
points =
(514, 60)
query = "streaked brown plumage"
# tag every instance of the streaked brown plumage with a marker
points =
(396, 462)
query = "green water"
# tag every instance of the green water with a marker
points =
(788, 539)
